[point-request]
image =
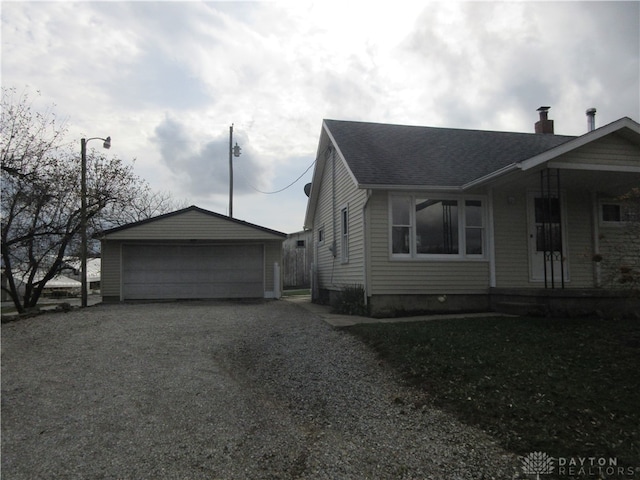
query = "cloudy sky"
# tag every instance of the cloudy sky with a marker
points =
(166, 79)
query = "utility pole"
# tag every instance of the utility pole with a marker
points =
(83, 221)
(83, 213)
(233, 152)
(230, 172)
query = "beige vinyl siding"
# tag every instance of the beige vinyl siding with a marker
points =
(579, 236)
(511, 243)
(191, 225)
(610, 150)
(110, 270)
(332, 272)
(416, 276)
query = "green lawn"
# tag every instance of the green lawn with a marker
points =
(296, 292)
(567, 387)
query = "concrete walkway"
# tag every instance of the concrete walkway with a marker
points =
(337, 320)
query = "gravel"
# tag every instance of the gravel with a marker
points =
(218, 390)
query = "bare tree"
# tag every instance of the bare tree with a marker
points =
(620, 260)
(40, 204)
(147, 203)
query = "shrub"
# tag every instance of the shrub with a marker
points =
(350, 301)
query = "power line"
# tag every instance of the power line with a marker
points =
(283, 189)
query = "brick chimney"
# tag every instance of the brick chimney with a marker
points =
(544, 125)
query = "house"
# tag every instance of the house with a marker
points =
(62, 286)
(441, 219)
(73, 266)
(297, 256)
(190, 254)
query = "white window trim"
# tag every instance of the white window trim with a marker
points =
(604, 223)
(323, 231)
(461, 255)
(344, 237)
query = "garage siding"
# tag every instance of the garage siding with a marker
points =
(193, 225)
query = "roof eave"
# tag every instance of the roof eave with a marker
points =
(442, 188)
(319, 169)
(478, 182)
(315, 180)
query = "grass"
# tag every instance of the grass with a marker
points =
(567, 387)
(296, 292)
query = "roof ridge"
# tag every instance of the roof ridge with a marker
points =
(457, 129)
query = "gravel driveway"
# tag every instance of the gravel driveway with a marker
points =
(217, 390)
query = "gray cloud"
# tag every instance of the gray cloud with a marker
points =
(203, 167)
(513, 57)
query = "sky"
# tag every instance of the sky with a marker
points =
(166, 80)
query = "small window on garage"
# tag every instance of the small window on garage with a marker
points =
(300, 244)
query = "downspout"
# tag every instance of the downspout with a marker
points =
(365, 282)
(491, 238)
(334, 245)
(595, 232)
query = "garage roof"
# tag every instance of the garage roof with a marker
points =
(191, 223)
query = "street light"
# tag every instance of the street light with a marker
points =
(233, 152)
(83, 211)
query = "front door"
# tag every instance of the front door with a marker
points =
(547, 245)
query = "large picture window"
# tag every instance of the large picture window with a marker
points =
(423, 226)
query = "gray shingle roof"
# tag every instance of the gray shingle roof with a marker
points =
(382, 154)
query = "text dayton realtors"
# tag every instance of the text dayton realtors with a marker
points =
(593, 466)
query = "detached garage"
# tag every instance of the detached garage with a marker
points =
(188, 254)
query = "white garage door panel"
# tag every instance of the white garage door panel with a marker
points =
(192, 271)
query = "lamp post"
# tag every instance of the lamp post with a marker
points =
(233, 152)
(83, 211)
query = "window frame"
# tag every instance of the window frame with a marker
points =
(344, 234)
(410, 226)
(462, 254)
(613, 223)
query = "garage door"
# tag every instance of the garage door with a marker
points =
(192, 271)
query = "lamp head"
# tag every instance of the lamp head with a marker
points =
(107, 143)
(236, 150)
